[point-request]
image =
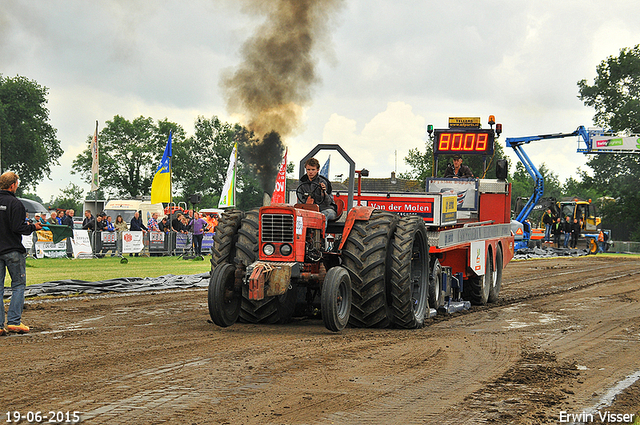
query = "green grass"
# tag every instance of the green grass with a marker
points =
(51, 269)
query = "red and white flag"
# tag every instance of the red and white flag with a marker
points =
(281, 182)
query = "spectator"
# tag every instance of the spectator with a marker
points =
(566, 228)
(87, 218)
(38, 218)
(177, 224)
(120, 226)
(12, 252)
(199, 225)
(136, 223)
(108, 224)
(67, 220)
(575, 232)
(96, 224)
(53, 218)
(153, 223)
(557, 231)
(547, 220)
(601, 241)
(212, 222)
(163, 225)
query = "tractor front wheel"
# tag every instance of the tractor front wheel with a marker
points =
(336, 299)
(224, 301)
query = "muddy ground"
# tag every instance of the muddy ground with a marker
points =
(563, 338)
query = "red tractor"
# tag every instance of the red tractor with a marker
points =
(370, 269)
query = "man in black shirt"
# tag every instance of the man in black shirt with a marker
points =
(12, 252)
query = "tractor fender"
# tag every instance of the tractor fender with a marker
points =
(359, 213)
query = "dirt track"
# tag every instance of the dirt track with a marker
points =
(565, 332)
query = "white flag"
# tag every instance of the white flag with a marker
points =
(228, 195)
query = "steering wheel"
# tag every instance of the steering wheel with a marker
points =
(315, 191)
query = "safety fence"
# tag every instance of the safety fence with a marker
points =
(87, 244)
(625, 247)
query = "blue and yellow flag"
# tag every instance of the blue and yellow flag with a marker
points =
(161, 185)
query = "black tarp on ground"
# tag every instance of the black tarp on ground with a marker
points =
(123, 284)
(527, 253)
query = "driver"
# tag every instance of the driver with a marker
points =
(457, 170)
(319, 188)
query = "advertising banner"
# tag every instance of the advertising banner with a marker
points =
(183, 241)
(156, 241)
(27, 241)
(132, 242)
(623, 144)
(108, 242)
(45, 248)
(465, 190)
(207, 242)
(81, 244)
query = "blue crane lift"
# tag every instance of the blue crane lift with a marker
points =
(604, 143)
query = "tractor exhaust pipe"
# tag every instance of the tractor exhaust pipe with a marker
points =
(266, 200)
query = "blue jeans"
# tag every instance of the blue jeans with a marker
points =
(330, 213)
(567, 236)
(547, 232)
(16, 263)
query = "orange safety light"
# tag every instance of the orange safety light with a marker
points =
(492, 119)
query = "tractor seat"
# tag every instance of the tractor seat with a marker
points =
(341, 207)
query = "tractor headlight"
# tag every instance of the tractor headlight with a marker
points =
(268, 249)
(285, 249)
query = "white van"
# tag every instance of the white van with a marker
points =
(127, 207)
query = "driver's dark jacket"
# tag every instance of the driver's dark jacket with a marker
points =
(306, 185)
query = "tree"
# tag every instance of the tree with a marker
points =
(615, 95)
(200, 164)
(28, 143)
(69, 199)
(129, 153)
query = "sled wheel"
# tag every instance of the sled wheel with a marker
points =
(336, 299)
(224, 302)
(477, 288)
(497, 276)
(436, 298)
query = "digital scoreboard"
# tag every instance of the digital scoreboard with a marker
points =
(469, 141)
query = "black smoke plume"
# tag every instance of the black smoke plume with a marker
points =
(274, 82)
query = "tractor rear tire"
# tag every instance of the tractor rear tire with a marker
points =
(278, 309)
(336, 299)
(409, 271)
(365, 255)
(224, 303)
(476, 289)
(497, 276)
(225, 238)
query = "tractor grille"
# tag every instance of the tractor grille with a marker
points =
(277, 228)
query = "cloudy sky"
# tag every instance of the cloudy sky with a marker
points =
(386, 69)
